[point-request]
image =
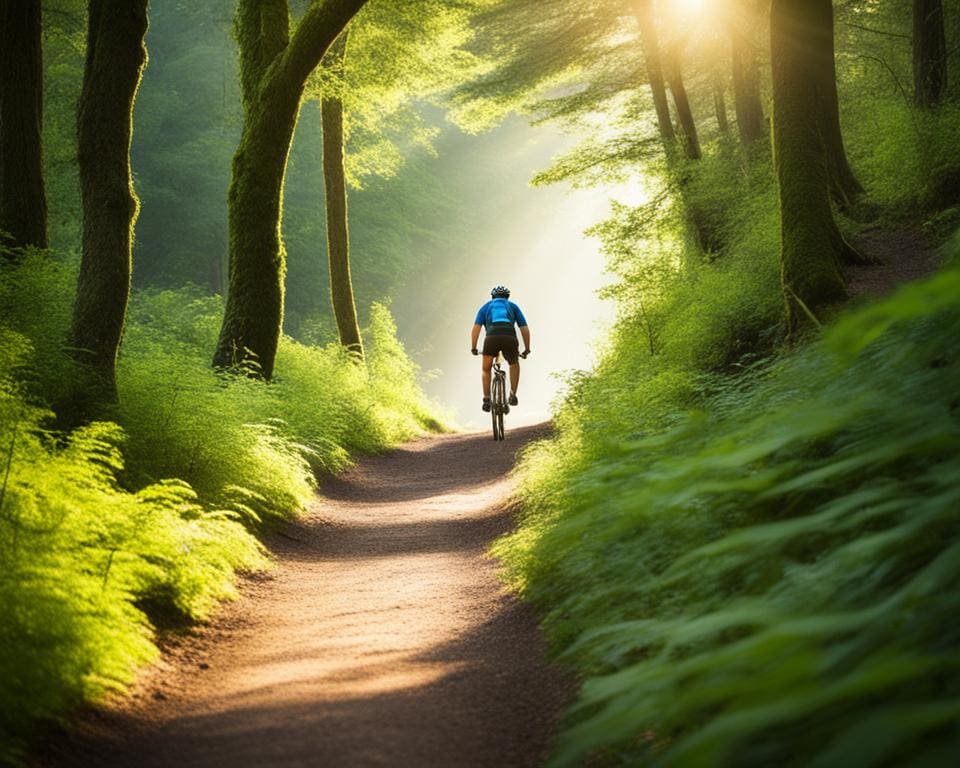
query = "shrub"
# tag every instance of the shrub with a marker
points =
(770, 578)
(78, 554)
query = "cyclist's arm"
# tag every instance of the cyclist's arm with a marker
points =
(525, 333)
(475, 335)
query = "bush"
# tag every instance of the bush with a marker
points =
(115, 526)
(770, 578)
(78, 554)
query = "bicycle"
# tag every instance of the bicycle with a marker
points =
(498, 398)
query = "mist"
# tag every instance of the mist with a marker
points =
(534, 243)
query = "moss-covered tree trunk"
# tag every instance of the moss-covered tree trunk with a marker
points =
(746, 89)
(811, 245)
(335, 195)
(23, 201)
(844, 186)
(273, 70)
(650, 43)
(929, 53)
(115, 59)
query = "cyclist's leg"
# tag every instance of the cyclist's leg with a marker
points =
(511, 352)
(486, 365)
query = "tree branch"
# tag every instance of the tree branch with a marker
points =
(321, 25)
(889, 69)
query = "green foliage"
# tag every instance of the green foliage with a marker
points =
(80, 556)
(770, 578)
(902, 154)
(398, 56)
(108, 530)
(909, 167)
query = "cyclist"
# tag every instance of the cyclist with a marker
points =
(498, 317)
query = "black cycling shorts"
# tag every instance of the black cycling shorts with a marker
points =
(507, 345)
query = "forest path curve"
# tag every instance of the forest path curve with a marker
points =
(900, 256)
(382, 637)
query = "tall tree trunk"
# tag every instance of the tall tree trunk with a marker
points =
(811, 245)
(746, 89)
(844, 186)
(720, 105)
(335, 194)
(651, 54)
(929, 53)
(115, 59)
(273, 70)
(23, 202)
(691, 141)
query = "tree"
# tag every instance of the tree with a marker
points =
(929, 53)
(812, 248)
(23, 202)
(746, 81)
(115, 59)
(651, 54)
(274, 67)
(335, 192)
(681, 102)
(844, 186)
(720, 105)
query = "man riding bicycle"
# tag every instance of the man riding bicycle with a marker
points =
(498, 317)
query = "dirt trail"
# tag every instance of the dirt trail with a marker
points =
(901, 256)
(381, 638)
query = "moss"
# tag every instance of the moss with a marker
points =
(115, 59)
(811, 244)
(273, 76)
(338, 232)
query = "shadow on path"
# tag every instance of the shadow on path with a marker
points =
(382, 638)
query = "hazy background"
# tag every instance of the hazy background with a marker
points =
(531, 240)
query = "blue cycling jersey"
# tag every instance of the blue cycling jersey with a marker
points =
(500, 312)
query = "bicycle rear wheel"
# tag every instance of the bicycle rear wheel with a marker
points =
(498, 400)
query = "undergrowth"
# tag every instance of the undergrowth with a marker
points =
(758, 568)
(114, 527)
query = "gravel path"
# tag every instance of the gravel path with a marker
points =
(382, 638)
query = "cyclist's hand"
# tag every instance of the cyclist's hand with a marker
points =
(525, 353)
(474, 351)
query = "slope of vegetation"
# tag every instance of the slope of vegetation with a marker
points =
(745, 540)
(117, 527)
(125, 514)
(772, 575)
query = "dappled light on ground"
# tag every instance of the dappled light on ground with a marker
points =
(383, 637)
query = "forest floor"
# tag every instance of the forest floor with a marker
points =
(381, 637)
(900, 256)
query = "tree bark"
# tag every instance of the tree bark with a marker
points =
(691, 141)
(811, 245)
(273, 70)
(115, 59)
(746, 90)
(23, 201)
(720, 105)
(651, 55)
(844, 186)
(335, 195)
(929, 53)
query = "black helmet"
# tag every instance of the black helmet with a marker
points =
(500, 292)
